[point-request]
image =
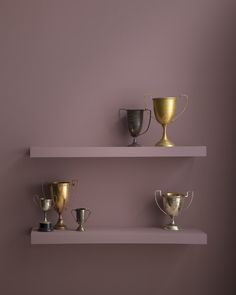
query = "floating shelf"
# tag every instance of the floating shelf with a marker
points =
(117, 152)
(121, 236)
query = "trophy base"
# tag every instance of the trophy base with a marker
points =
(134, 143)
(171, 227)
(60, 227)
(45, 227)
(165, 143)
(80, 228)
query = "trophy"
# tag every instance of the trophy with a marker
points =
(82, 215)
(135, 123)
(60, 193)
(164, 110)
(45, 205)
(173, 203)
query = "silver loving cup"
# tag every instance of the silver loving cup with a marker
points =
(172, 204)
(135, 123)
(45, 205)
(81, 216)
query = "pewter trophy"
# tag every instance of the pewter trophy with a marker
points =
(45, 205)
(164, 110)
(81, 216)
(172, 204)
(135, 123)
(60, 193)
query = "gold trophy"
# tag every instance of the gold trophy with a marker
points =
(164, 110)
(45, 205)
(173, 203)
(60, 193)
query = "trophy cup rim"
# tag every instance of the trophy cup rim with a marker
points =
(173, 194)
(165, 97)
(135, 109)
(80, 209)
(60, 182)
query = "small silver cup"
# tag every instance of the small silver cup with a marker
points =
(81, 216)
(45, 205)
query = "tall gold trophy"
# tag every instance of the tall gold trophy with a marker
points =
(164, 110)
(60, 193)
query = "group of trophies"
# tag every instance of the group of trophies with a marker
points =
(59, 196)
(172, 203)
(165, 113)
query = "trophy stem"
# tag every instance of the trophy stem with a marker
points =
(164, 142)
(60, 225)
(172, 225)
(134, 143)
(45, 217)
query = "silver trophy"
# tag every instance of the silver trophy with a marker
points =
(135, 123)
(172, 204)
(45, 205)
(81, 216)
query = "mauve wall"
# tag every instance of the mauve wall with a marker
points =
(66, 68)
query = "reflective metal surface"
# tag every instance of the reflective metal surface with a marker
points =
(164, 110)
(172, 204)
(135, 123)
(45, 205)
(60, 193)
(81, 216)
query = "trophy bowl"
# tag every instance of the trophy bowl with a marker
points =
(172, 205)
(135, 123)
(60, 193)
(165, 113)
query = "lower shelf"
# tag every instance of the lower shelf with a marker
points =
(120, 236)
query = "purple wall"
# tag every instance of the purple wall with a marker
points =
(66, 68)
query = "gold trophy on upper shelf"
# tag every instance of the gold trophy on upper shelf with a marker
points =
(60, 193)
(164, 110)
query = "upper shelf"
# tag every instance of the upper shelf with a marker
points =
(117, 152)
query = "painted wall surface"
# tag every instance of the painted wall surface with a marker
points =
(66, 67)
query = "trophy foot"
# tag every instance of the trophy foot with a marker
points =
(165, 143)
(80, 228)
(134, 143)
(60, 225)
(171, 227)
(45, 227)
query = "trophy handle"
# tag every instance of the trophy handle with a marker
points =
(149, 121)
(158, 193)
(191, 194)
(185, 96)
(36, 200)
(74, 183)
(73, 214)
(120, 112)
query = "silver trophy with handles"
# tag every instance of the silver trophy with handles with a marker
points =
(172, 205)
(81, 216)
